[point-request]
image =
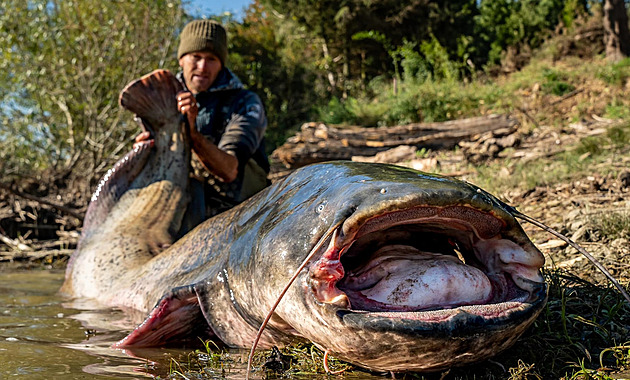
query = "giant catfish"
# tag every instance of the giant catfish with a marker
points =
(409, 271)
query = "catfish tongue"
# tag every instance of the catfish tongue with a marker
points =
(403, 278)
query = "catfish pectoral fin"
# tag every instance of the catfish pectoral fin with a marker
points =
(175, 319)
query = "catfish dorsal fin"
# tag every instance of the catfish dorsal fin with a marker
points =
(152, 97)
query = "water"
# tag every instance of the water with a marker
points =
(40, 338)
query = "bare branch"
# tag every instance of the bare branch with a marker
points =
(61, 208)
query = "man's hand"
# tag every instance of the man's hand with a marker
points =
(222, 164)
(143, 138)
(187, 105)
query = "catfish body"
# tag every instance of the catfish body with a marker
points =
(410, 272)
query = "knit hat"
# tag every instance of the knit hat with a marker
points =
(201, 35)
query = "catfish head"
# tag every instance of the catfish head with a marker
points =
(409, 271)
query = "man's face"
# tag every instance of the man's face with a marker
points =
(200, 70)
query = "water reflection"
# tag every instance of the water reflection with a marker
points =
(42, 339)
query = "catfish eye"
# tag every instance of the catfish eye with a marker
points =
(321, 207)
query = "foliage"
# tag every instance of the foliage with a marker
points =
(360, 40)
(555, 83)
(617, 109)
(64, 63)
(503, 23)
(417, 100)
(613, 225)
(264, 54)
(356, 44)
(617, 73)
(212, 362)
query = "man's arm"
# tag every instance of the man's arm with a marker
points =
(245, 130)
(218, 162)
(222, 164)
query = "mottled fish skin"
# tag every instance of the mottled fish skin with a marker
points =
(240, 261)
(138, 206)
(226, 274)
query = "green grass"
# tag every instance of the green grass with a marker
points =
(415, 102)
(432, 100)
(617, 109)
(210, 363)
(535, 88)
(555, 82)
(616, 74)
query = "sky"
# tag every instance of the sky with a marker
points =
(214, 7)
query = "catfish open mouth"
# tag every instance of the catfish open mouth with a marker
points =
(419, 261)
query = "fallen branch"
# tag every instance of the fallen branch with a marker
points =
(566, 96)
(318, 142)
(34, 255)
(14, 244)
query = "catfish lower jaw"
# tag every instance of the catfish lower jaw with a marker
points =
(428, 264)
(462, 321)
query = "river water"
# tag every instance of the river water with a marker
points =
(41, 337)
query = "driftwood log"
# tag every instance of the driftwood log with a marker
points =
(317, 142)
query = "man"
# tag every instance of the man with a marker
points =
(226, 123)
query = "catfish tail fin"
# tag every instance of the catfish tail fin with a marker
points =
(152, 97)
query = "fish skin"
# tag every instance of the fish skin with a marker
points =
(229, 270)
(138, 206)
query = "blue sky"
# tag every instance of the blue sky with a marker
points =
(213, 7)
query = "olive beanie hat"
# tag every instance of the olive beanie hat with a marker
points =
(201, 35)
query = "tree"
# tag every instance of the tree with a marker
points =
(64, 63)
(617, 36)
(268, 57)
(347, 59)
(510, 23)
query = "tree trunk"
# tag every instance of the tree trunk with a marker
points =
(318, 142)
(617, 36)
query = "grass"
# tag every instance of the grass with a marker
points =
(611, 226)
(538, 90)
(555, 82)
(303, 361)
(616, 74)
(427, 101)
(210, 363)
